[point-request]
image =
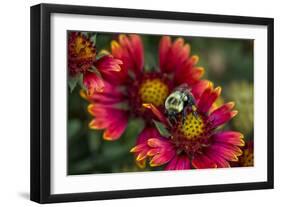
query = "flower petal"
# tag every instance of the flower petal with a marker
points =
(142, 148)
(93, 82)
(138, 148)
(172, 56)
(137, 51)
(109, 96)
(181, 162)
(229, 137)
(147, 133)
(141, 156)
(162, 158)
(226, 151)
(130, 51)
(113, 132)
(98, 124)
(198, 88)
(219, 160)
(118, 52)
(162, 151)
(207, 99)
(153, 152)
(156, 112)
(113, 120)
(159, 142)
(222, 115)
(108, 64)
(164, 47)
(172, 165)
(188, 72)
(141, 164)
(202, 161)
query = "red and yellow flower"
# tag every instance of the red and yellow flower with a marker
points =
(195, 142)
(126, 91)
(247, 159)
(82, 59)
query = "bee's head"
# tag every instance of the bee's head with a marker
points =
(174, 103)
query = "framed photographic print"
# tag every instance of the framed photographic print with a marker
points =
(132, 103)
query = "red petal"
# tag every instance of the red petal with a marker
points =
(141, 149)
(222, 115)
(147, 133)
(153, 152)
(183, 163)
(226, 152)
(172, 165)
(118, 52)
(229, 137)
(157, 113)
(162, 158)
(164, 47)
(198, 89)
(137, 51)
(107, 64)
(138, 148)
(220, 162)
(159, 142)
(172, 56)
(93, 82)
(98, 124)
(207, 99)
(109, 96)
(113, 120)
(188, 72)
(114, 132)
(202, 161)
(162, 151)
(130, 51)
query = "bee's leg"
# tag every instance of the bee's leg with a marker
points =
(170, 123)
(175, 119)
(184, 114)
(194, 112)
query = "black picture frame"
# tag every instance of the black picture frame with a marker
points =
(41, 95)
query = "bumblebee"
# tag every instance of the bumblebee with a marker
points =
(180, 101)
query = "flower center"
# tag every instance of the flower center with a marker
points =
(192, 128)
(83, 48)
(153, 91)
(192, 135)
(248, 158)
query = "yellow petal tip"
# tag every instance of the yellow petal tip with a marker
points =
(133, 149)
(234, 113)
(114, 44)
(218, 90)
(146, 105)
(231, 104)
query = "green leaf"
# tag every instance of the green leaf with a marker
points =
(72, 82)
(93, 38)
(80, 82)
(93, 69)
(162, 129)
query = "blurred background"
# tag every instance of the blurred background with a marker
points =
(228, 63)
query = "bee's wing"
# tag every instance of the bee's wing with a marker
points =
(182, 88)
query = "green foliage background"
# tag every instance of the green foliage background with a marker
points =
(227, 62)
